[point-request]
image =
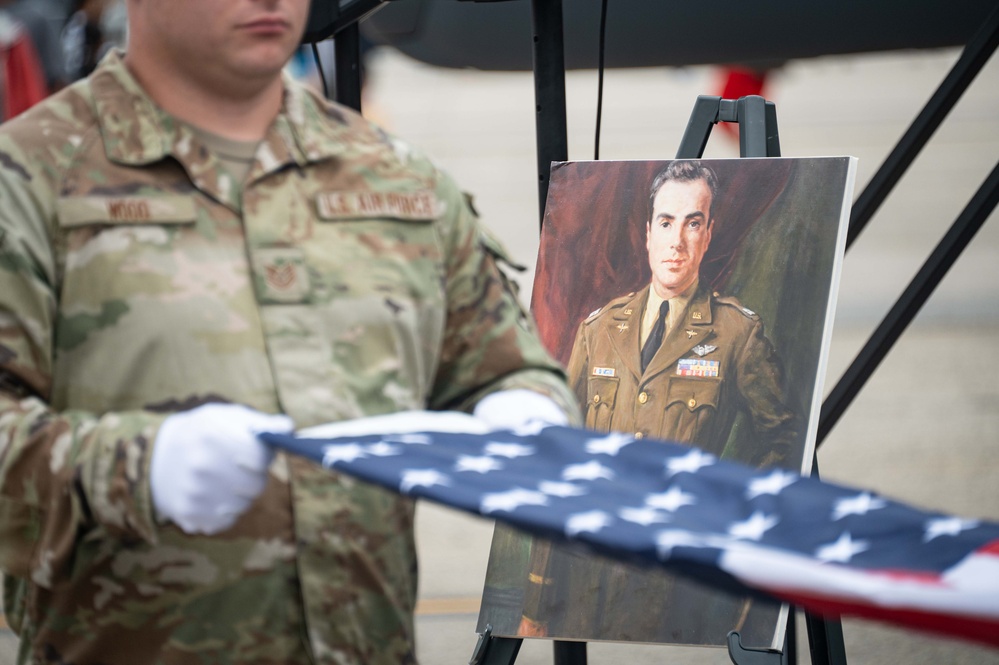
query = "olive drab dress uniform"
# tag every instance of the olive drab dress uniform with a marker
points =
(713, 364)
(344, 277)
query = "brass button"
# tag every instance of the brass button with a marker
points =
(643, 397)
(639, 435)
(692, 403)
(596, 399)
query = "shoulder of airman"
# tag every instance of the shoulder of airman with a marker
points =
(617, 303)
(732, 301)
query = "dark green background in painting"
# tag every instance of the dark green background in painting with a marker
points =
(784, 271)
(774, 246)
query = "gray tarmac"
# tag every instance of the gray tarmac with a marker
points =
(925, 429)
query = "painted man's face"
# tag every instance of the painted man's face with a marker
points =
(678, 235)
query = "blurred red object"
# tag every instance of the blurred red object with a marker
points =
(23, 83)
(740, 82)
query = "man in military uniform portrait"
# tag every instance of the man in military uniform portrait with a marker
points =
(654, 280)
(194, 249)
(677, 361)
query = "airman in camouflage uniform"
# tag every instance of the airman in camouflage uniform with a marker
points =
(344, 277)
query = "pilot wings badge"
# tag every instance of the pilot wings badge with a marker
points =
(704, 349)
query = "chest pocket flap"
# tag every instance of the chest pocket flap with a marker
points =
(695, 393)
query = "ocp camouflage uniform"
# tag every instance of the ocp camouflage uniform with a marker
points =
(346, 278)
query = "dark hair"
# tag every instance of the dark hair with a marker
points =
(687, 170)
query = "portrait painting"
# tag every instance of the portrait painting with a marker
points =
(690, 301)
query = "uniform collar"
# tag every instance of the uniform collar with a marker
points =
(633, 308)
(136, 131)
(677, 307)
(699, 307)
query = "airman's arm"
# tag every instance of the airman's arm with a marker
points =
(490, 342)
(61, 474)
(763, 388)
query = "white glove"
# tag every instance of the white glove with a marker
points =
(519, 409)
(208, 465)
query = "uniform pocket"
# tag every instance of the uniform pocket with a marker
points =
(100, 236)
(600, 399)
(691, 406)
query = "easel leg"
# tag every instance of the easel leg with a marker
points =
(743, 656)
(825, 636)
(569, 653)
(491, 650)
(347, 47)
(825, 640)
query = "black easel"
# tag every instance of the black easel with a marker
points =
(758, 137)
(757, 119)
(339, 19)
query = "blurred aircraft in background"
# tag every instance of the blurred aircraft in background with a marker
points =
(747, 38)
(645, 33)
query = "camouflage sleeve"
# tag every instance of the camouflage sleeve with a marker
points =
(490, 343)
(67, 474)
(62, 475)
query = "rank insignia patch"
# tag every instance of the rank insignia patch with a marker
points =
(280, 277)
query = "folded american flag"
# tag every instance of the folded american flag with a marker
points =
(823, 547)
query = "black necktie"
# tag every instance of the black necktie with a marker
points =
(655, 339)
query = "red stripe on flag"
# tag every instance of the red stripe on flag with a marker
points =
(978, 629)
(898, 575)
(989, 548)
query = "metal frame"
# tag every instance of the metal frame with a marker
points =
(339, 19)
(972, 60)
(757, 119)
(549, 91)
(347, 72)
